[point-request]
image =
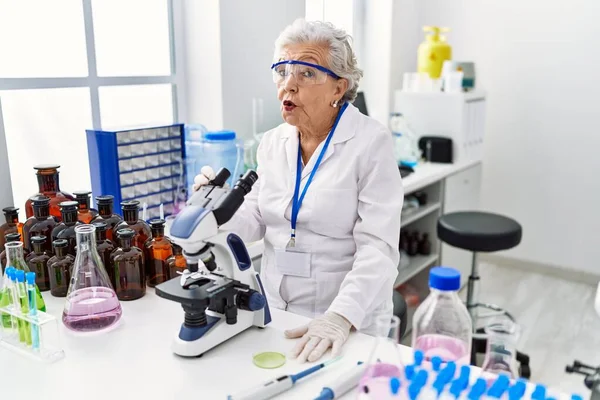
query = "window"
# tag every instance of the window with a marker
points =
(73, 65)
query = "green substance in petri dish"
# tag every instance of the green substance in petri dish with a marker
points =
(268, 360)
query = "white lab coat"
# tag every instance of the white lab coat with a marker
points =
(350, 220)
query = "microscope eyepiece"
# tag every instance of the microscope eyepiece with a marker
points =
(222, 175)
(247, 181)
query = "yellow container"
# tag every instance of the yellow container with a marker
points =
(433, 52)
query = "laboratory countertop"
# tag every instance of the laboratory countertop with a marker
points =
(427, 173)
(134, 361)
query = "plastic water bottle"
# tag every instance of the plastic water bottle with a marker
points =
(442, 325)
(406, 149)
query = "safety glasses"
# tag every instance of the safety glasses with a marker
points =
(306, 74)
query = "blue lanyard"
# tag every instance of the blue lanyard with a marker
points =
(297, 201)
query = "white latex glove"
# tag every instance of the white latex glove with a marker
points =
(328, 330)
(206, 175)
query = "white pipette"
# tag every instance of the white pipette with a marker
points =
(343, 383)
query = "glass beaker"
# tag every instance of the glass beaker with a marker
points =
(384, 362)
(92, 304)
(501, 353)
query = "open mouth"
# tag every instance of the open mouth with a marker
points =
(288, 105)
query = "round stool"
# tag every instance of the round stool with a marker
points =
(479, 232)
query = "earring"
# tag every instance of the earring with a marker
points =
(334, 103)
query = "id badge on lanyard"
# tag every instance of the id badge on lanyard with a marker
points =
(295, 260)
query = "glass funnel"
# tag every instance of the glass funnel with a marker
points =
(384, 364)
(502, 337)
(92, 304)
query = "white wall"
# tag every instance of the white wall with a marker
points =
(6, 197)
(539, 62)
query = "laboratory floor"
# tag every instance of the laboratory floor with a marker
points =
(557, 318)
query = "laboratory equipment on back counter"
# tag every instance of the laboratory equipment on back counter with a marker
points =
(442, 325)
(105, 248)
(91, 303)
(502, 335)
(48, 184)
(220, 292)
(158, 251)
(59, 268)
(12, 224)
(406, 148)
(106, 213)
(85, 214)
(41, 224)
(131, 220)
(11, 237)
(37, 261)
(14, 258)
(176, 262)
(66, 229)
(433, 51)
(129, 271)
(591, 380)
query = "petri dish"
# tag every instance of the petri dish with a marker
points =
(268, 360)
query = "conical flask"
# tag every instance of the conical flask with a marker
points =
(501, 353)
(383, 371)
(14, 258)
(92, 304)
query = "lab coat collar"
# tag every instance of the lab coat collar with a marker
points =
(344, 132)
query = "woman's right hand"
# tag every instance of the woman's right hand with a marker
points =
(206, 175)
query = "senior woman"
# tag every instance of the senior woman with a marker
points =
(328, 198)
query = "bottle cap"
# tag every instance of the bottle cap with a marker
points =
(60, 243)
(20, 274)
(130, 205)
(10, 211)
(82, 194)
(100, 225)
(444, 278)
(418, 357)
(157, 223)
(66, 205)
(12, 237)
(40, 201)
(436, 363)
(30, 276)
(43, 167)
(105, 199)
(220, 135)
(125, 233)
(177, 249)
(38, 239)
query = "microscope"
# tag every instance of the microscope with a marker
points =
(220, 292)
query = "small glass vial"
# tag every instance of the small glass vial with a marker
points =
(176, 262)
(85, 213)
(12, 224)
(131, 220)
(60, 267)
(48, 185)
(158, 250)
(105, 247)
(37, 261)
(11, 237)
(41, 224)
(128, 264)
(66, 229)
(106, 214)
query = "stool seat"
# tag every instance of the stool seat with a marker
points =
(479, 231)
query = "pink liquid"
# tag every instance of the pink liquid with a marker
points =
(447, 348)
(375, 383)
(91, 309)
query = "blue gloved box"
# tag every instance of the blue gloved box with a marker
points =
(146, 164)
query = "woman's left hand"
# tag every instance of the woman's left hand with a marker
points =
(328, 330)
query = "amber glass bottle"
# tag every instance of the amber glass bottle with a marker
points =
(128, 264)
(105, 247)
(10, 237)
(176, 262)
(106, 214)
(47, 177)
(131, 220)
(85, 213)
(66, 229)
(12, 224)
(37, 261)
(158, 250)
(41, 224)
(60, 267)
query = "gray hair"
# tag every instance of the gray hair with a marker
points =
(342, 60)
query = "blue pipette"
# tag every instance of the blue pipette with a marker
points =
(278, 385)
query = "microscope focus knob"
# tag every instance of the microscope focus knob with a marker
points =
(251, 300)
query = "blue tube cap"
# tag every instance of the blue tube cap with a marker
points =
(539, 393)
(409, 372)
(436, 363)
(421, 377)
(516, 391)
(20, 276)
(11, 272)
(419, 356)
(478, 389)
(394, 385)
(576, 397)
(456, 388)
(499, 387)
(465, 374)
(30, 277)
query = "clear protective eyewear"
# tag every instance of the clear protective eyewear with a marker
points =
(305, 73)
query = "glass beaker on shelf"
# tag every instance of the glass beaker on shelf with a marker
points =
(501, 353)
(384, 361)
(91, 303)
